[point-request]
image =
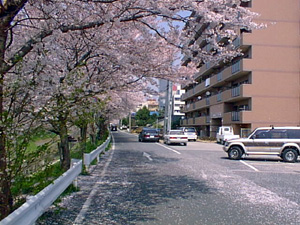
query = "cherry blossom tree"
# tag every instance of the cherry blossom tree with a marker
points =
(70, 50)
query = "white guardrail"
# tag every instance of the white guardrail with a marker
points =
(33, 208)
(89, 157)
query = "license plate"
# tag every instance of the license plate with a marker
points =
(151, 136)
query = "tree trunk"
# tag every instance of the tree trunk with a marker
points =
(6, 200)
(83, 137)
(64, 146)
(100, 127)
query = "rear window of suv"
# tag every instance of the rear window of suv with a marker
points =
(293, 134)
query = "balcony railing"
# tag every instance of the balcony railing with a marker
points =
(207, 101)
(219, 76)
(235, 116)
(236, 91)
(236, 67)
(219, 97)
(237, 42)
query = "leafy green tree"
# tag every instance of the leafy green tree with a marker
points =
(143, 117)
(125, 121)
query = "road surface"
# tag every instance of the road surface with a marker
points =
(152, 183)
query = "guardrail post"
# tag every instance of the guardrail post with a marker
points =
(75, 181)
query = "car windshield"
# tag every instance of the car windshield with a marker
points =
(176, 132)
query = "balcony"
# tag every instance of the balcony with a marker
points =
(232, 95)
(196, 121)
(237, 117)
(237, 93)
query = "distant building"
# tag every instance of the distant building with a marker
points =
(151, 104)
(177, 102)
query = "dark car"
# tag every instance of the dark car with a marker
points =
(149, 134)
(113, 127)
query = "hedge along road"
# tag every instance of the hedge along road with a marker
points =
(148, 183)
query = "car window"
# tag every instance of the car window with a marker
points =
(189, 130)
(293, 134)
(176, 132)
(279, 134)
(150, 131)
(262, 134)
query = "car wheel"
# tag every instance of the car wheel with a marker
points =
(185, 144)
(290, 155)
(235, 153)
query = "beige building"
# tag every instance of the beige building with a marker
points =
(151, 104)
(260, 89)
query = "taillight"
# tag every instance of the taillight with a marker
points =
(172, 137)
(146, 135)
(184, 138)
(156, 136)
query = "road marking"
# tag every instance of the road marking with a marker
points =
(252, 167)
(147, 156)
(169, 148)
(80, 217)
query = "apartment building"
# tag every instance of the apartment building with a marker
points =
(177, 102)
(259, 89)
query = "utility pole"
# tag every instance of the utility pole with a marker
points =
(129, 115)
(129, 121)
(168, 107)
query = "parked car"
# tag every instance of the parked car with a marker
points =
(225, 133)
(123, 127)
(279, 141)
(176, 136)
(149, 134)
(190, 132)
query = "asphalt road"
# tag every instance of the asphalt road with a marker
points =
(152, 183)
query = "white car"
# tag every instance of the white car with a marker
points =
(190, 132)
(176, 136)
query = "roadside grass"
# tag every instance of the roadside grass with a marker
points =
(40, 176)
(32, 184)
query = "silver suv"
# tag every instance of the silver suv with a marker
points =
(280, 141)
